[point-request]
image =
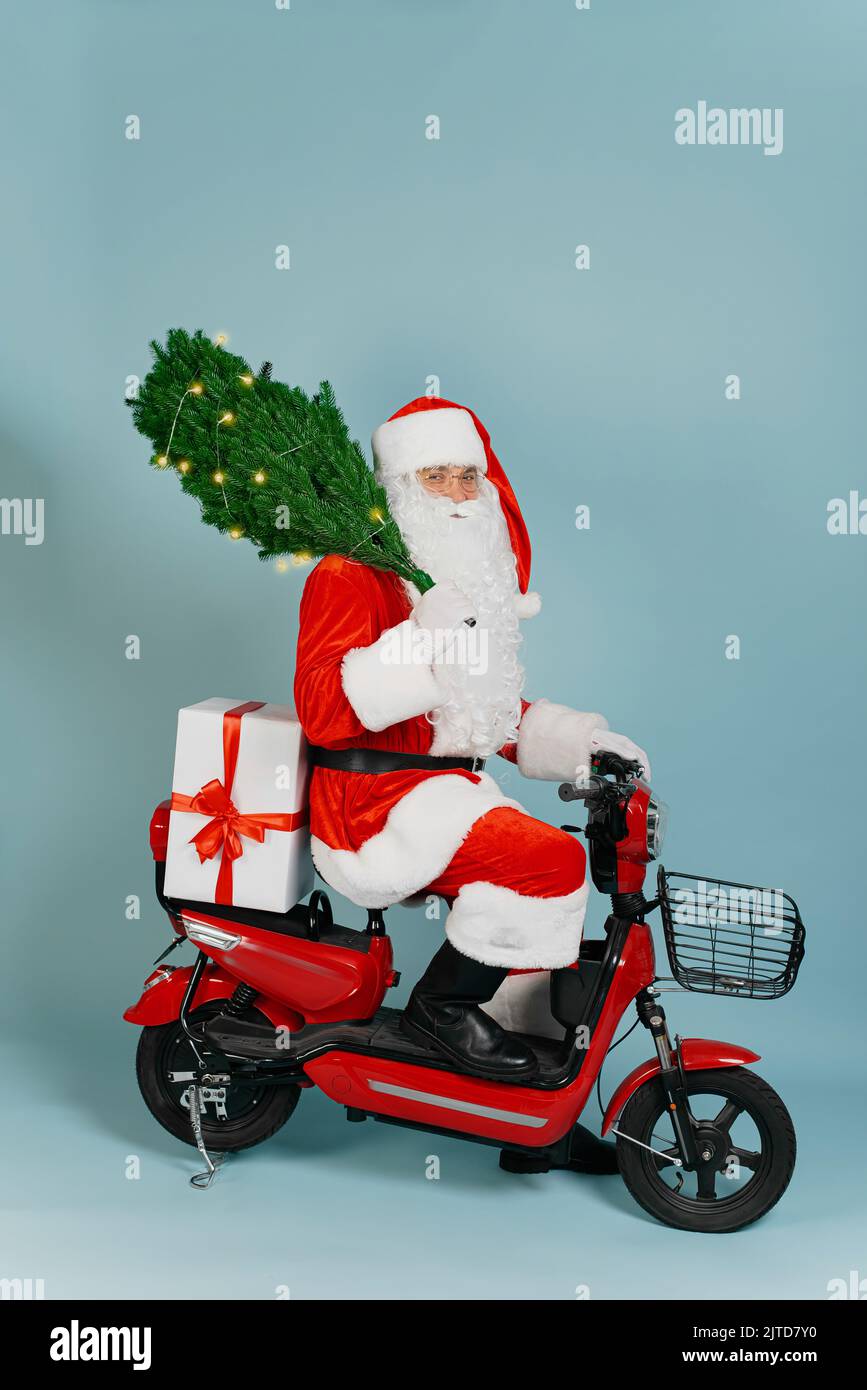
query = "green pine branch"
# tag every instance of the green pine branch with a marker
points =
(265, 461)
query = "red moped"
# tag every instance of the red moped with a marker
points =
(276, 1003)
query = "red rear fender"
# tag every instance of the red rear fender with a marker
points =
(164, 989)
(699, 1054)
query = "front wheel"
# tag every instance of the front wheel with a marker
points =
(745, 1139)
(233, 1118)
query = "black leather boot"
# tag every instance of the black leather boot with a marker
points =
(443, 1012)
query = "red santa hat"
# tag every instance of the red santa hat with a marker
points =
(430, 431)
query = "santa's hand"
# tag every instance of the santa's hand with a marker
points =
(442, 612)
(605, 741)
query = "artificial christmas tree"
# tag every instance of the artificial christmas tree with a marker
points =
(265, 461)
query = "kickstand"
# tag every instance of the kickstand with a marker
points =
(201, 1180)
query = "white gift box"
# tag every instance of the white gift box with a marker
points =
(253, 832)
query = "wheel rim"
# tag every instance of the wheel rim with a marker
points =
(734, 1146)
(225, 1108)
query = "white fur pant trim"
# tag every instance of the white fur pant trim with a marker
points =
(498, 926)
(423, 833)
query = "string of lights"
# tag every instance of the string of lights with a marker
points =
(265, 461)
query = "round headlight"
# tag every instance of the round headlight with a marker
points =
(657, 824)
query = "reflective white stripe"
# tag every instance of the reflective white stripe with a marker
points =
(509, 1117)
(206, 935)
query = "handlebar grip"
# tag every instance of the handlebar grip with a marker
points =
(569, 792)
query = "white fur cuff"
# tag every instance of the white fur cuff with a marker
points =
(554, 741)
(384, 684)
(497, 926)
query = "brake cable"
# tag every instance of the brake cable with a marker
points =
(677, 1162)
(621, 1039)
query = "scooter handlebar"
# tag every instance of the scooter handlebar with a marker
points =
(609, 764)
(606, 765)
(569, 792)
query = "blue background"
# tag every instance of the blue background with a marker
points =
(412, 257)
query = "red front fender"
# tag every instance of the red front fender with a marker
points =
(161, 1002)
(699, 1054)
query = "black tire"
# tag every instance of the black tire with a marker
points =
(253, 1111)
(652, 1180)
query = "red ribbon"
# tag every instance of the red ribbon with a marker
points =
(223, 832)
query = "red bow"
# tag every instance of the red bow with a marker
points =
(223, 832)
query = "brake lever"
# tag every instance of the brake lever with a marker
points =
(612, 764)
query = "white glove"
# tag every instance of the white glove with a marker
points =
(605, 741)
(442, 612)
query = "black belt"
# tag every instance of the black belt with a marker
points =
(381, 760)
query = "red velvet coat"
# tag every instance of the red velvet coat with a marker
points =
(379, 838)
(346, 607)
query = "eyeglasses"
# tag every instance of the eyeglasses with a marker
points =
(438, 479)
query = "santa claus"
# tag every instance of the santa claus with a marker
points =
(403, 696)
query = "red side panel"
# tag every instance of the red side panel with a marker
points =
(444, 1099)
(699, 1054)
(161, 1003)
(491, 1109)
(324, 984)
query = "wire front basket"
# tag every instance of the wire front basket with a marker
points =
(730, 938)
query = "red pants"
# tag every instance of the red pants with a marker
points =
(517, 893)
(515, 851)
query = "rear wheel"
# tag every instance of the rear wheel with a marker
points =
(745, 1139)
(233, 1117)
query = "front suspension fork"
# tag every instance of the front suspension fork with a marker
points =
(671, 1075)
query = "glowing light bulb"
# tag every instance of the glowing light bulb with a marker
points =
(162, 461)
(221, 338)
(282, 566)
(376, 514)
(259, 477)
(196, 389)
(300, 558)
(236, 533)
(227, 419)
(184, 466)
(246, 378)
(219, 477)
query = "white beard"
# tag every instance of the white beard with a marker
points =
(468, 543)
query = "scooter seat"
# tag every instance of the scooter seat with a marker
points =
(295, 922)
